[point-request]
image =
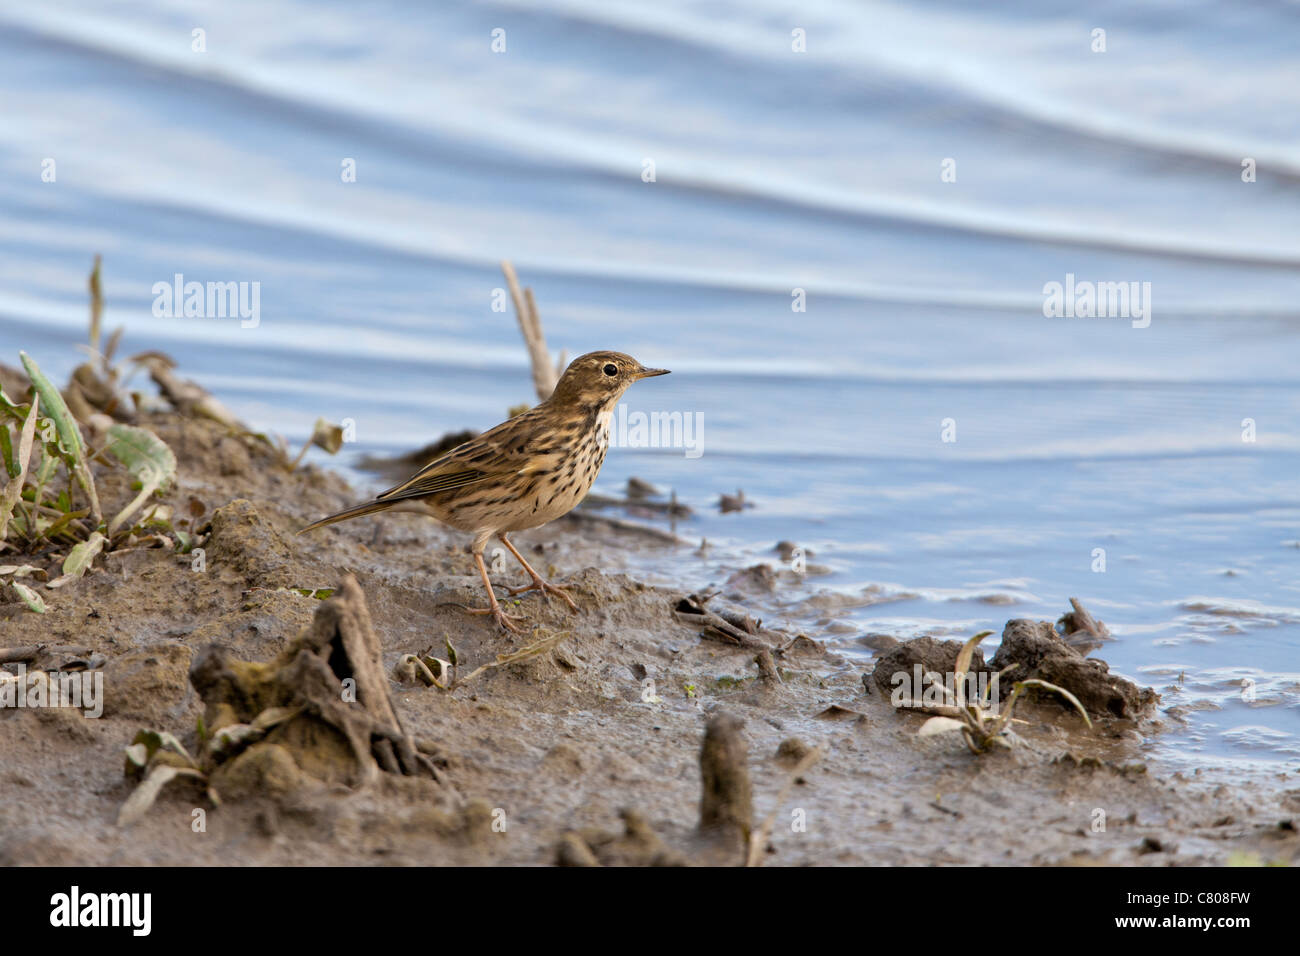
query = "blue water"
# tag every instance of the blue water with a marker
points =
(774, 171)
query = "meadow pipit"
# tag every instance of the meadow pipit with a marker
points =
(524, 472)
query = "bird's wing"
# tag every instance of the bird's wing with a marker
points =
(429, 481)
(497, 453)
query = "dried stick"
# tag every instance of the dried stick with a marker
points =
(719, 629)
(530, 325)
(96, 304)
(536, 648)
(758, 843)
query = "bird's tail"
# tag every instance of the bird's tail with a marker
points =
(357, 512)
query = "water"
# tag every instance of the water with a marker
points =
(774, 171)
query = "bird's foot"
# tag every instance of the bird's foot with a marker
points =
(547, 588)
(503, 620)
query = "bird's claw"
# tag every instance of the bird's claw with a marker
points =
(547, 589)
(503, 620)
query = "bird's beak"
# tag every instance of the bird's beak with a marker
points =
(651, 372)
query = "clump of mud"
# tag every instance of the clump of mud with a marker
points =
(1037, 651)
(334, 717)
(921, 656)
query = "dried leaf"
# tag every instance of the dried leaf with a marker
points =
(963, 664)
(327, 436)
(939, 725)
(1044, 685)
(234, 737)
(138, 804)
(19, 570)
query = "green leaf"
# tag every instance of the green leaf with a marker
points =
(7, 449)
(29, 597)
(153, 741)
(79, 559)
(146, 457)
(63, 521)
(15, 411)
(14, 488)
(319, 594)
(70, 441)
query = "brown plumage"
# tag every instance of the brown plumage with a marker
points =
(524, 472)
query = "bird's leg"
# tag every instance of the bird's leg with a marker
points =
(504, 620)
(539, 583)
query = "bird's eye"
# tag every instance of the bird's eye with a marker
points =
(611, 369)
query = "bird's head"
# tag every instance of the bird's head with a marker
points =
(600, 379)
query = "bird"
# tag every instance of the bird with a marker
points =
(530, 469)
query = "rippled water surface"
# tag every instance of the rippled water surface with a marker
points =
(774, 171)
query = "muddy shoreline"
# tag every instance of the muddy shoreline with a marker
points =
(540, 759)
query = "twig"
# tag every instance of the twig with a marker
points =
(13, 655)
(96, 305)
(719, 629)
(1081, 630)
(530, 324)
(759, 840)
(548, 643)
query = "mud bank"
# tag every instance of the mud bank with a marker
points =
(587, 753)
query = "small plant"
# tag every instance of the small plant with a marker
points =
(45, 466)
(155, 759)
(980, 726)
(324, 435)
(442, 673)
(49, 503)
